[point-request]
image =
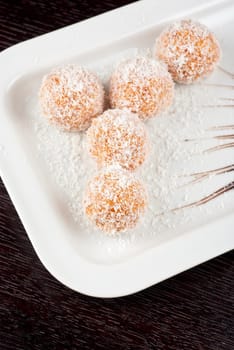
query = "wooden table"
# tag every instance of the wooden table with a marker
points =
(192, 311)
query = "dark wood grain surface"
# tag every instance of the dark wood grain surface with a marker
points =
(191, 311)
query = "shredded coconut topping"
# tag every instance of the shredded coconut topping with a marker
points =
(142, 85)
(71, 96)
(114, 199)
(165, 172)
(118, 136)
(189, 49)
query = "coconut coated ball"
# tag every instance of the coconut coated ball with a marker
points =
(70, 97)
(143, 86)
(189, 49)
(118, 136)
(114, 200)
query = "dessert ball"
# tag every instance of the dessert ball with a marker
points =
(118, 136)
(114, 200)
(71, 96)
(143, 86)
(189, 49)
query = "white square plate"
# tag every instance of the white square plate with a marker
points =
(75, 259)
